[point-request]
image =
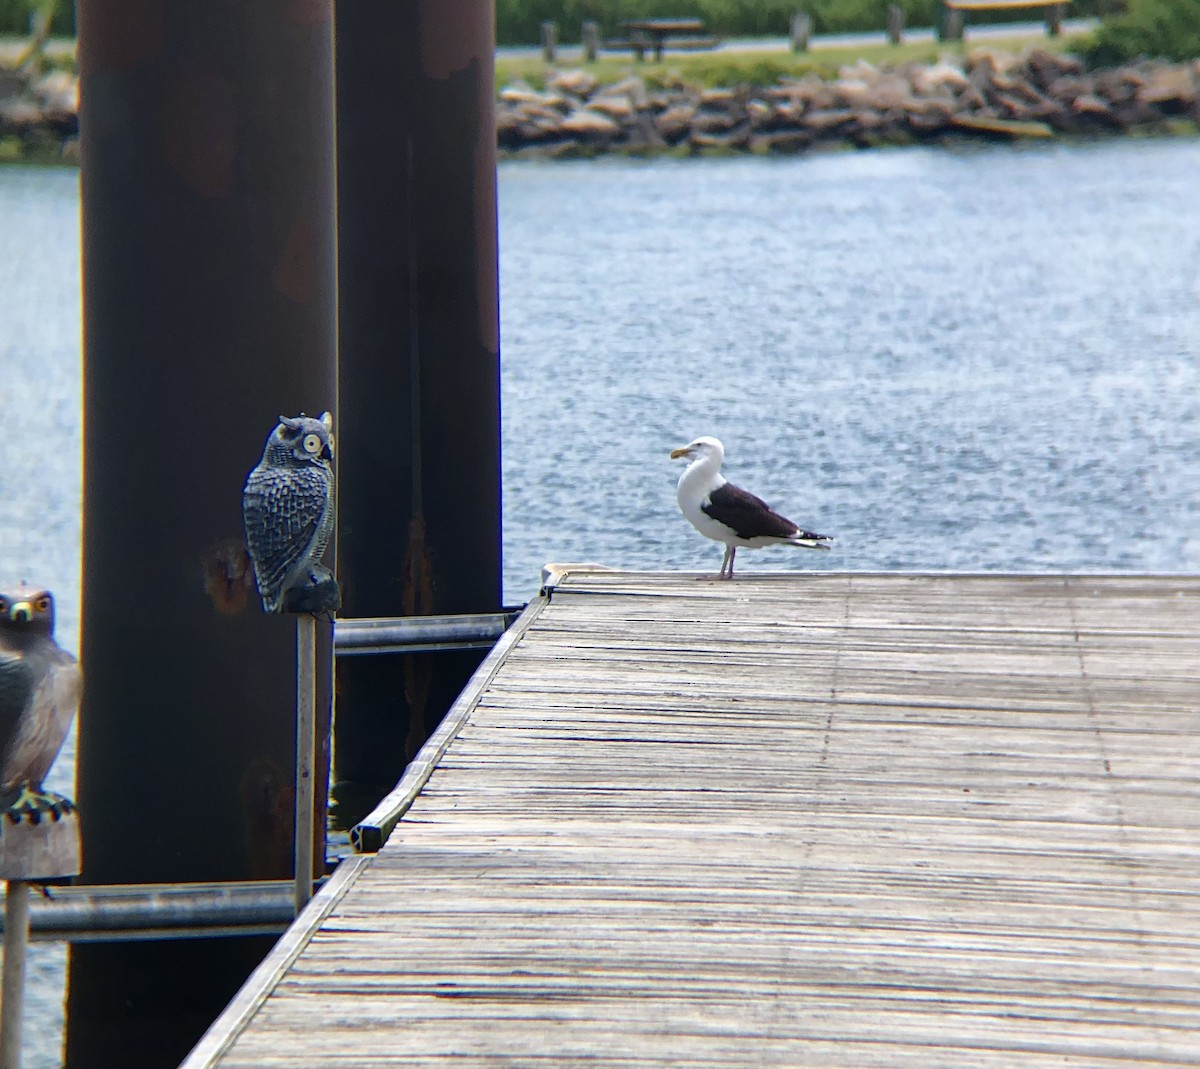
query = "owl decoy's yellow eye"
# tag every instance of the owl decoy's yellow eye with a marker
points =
(312, 444)
(42, 604)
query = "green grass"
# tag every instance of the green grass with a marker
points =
(42, 153)
(722, 68)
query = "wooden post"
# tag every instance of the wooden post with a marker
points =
(955, 24)
(549, 41)
(801, 31)
(39, 840)
(589, 36)
(33, 58)
(1054, 15)
(39, 25)
(895, 24)
(306, 705)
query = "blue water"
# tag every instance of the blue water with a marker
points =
(986, 358)
(40, 445)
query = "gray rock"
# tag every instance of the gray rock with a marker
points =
(736, 138)
(675, 123)
(588, 125)
(12, 84)
(576, 82)
(825, 121)
(937, 77)
(633, 88)
(1089, 104)
(1045, 68)
(712, 121)
(782, 141)
(1174, 87)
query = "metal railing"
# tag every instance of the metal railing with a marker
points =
(419, 634)
(122, 912)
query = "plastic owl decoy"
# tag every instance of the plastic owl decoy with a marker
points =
(39, 695)
(288, 508)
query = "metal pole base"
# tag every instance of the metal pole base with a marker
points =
(306, 704)
(16, 939)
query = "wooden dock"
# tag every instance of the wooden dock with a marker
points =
(810, 820)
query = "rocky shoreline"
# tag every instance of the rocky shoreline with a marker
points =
(1036, 94)
(991, 94)
(39, 115)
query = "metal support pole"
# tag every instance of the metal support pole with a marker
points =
(419, 393)
(208, 240)
(306, 697)
(16, 939)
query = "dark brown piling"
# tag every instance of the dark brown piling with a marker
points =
(208, 258)
(419, 496)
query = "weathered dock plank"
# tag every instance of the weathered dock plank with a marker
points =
(819, 820)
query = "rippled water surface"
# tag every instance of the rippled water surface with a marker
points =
(977, 359)
(983, 359)
(40, 467)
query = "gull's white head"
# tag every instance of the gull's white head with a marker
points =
(705, 448)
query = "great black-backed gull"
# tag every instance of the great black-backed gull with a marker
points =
(727, 513)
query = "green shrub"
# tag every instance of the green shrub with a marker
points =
(14, 17)
(1166, 29)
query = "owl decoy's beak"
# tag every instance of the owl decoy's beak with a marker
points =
(21, 612)
(327, 453)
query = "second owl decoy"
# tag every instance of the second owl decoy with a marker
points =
(39, 694)
(288, 508)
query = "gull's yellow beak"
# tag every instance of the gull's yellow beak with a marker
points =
(682, 451)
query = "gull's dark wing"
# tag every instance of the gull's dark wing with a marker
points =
(748, 516)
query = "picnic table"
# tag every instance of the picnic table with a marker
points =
(959, 9)
(657, 34)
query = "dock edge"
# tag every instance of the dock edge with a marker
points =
(369, 834)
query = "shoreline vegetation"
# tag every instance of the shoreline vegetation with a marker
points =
(742, 102)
